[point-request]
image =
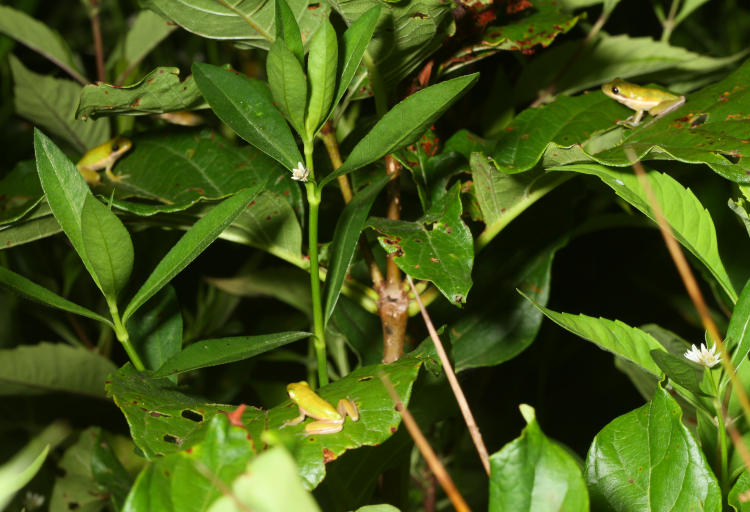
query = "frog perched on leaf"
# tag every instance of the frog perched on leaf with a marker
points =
(642, 99)
(104, 157)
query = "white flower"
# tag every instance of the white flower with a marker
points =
(703, 356)
(299, 173)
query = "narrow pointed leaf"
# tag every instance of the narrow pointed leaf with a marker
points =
(108, 247)
(202, 354)
(404, 123)
(345, 237)
(246, 106)
(287, 30)
(321, 73)
(33, 291)
(647, 459)
(738, 332)
(288, 84)
(192, 243)
(353, 46)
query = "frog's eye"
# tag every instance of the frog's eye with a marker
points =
(615, 90)
(115, 146)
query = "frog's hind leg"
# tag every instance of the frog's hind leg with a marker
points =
(347, 407)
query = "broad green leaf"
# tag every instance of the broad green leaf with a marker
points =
(147, 31)
(538, 29)
(502, 197)
(322, 63)
(738, 333)
(202, 354)
(257, 487)
(679, 370)
(563, 123)
(156, 331)
(189, 480)
(250, 22)
(50, 103)
(38, 225)
(16, 472)
(20, 192)
(246, 106)
(33, 291)
(406, 35)
(287, 30)
(53, 368)
(533, 473)
(192, 243)
(625, 56)
(179, 169)
(490, 332)
(66, 193)
(404, 123)
(288, 84)
(437, 248)
(686, 8)
(75, 487)
(108, 471)
(108, 247)
(159, 91)
(647, 459)
(711, 128)
(740, 487)
(348, 228)
(353, 46)
(40, 38)
(690, 221)
(612, 335)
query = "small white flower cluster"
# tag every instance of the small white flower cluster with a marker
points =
(299, 173)
(704, 356)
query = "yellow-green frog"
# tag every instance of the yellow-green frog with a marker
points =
(642, 99)
(329, 420)
(104, 157)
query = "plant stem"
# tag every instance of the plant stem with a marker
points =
(723, 447)
(669, 22)
(124, 338)
(313, 203)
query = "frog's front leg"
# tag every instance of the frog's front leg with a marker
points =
(112, 176)
(633, 120)
(295, 421)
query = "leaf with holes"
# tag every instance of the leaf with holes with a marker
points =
(437, 248)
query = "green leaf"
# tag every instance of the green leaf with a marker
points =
(257, 487)
(108, 471)
(202, 354)
(147, 31)
(33, 291)
(612, 335)
(741, 486)
(533, 473)
(437, 248)
(288, 84)
(353, 46)
(287, 30)
(348, 228)
(322, 63)
(690, 221)
(738, 333)
(40, 38)
(195, 167)
(218, 459)
(679, 371)
(647, 459)
(156, 331)
(159, 91)
(250, 22)
(246, 106)
(20, 192)
(24, 465)
(50, 102)
(108, 247)
(66, 193)
(404, 123)
(38, 225)
(53, 368)
(192, 243)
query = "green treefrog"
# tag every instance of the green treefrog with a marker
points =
(642, 99)
(104, 157)
(329, 420)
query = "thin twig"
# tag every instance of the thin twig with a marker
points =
(96, 31)
(428, 453)
(476, 435)
(691, 285)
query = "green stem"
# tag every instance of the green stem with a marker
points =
(723, 445)
(313, 203)
(124, 338)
